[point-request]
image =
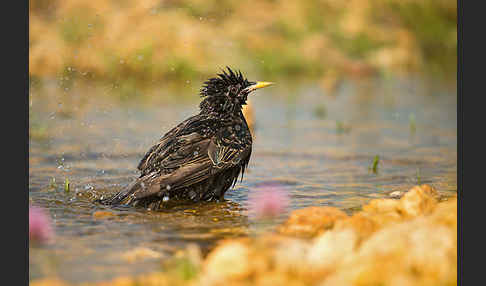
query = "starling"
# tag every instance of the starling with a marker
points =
(202, 157)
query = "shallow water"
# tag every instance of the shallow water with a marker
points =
(318, 147)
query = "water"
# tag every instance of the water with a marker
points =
(317, 146)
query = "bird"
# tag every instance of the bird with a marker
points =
(202, 157)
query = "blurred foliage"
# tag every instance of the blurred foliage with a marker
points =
(158, 41)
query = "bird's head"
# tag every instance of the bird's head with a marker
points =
(228, 92)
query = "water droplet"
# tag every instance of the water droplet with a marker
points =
(196, 153)
(168, 187)
(165, 199)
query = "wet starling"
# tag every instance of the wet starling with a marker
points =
(202, 157)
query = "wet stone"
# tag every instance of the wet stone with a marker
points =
(139, 254)
(311, 221)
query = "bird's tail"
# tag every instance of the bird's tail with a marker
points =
(122, 197)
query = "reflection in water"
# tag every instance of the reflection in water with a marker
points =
(96, 142)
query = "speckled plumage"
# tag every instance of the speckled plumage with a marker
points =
(202, 157)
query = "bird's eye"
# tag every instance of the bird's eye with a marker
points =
(234, 89)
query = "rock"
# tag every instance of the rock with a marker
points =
(412, 252)
(396, 194)
(446, 213)
(417, 201)
(330, 249)
(140, 253)
(103, 214)
(411, 241)
(277, 278)
(381, 206)
(362, 224)
(311, 221)
(382, 211)
(289, 256)
(228, 261)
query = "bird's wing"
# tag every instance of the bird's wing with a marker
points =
(177, 139)
(194, 160)
(225, 153)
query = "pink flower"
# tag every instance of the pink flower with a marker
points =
(40, 229)
(268, 201)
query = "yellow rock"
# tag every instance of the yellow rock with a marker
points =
(382, 206)
(309, 222)
(419, 200)
(140, 253)
(330, 249)
(362, 224)
(416, 251)
(446, 213)
(227, 262)
(277, 278)
(411, 241)
(290, 255)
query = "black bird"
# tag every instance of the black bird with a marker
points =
(202, 157)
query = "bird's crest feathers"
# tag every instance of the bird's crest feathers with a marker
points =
(217, 85)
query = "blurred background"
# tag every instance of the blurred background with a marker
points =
(364, 105)
(138, 44)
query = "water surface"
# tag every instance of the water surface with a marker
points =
(317, 146)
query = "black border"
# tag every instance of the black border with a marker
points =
(471, 80)
(459, 140)
(15, 136)
(16, 126)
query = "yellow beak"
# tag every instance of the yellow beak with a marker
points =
(259, 84)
